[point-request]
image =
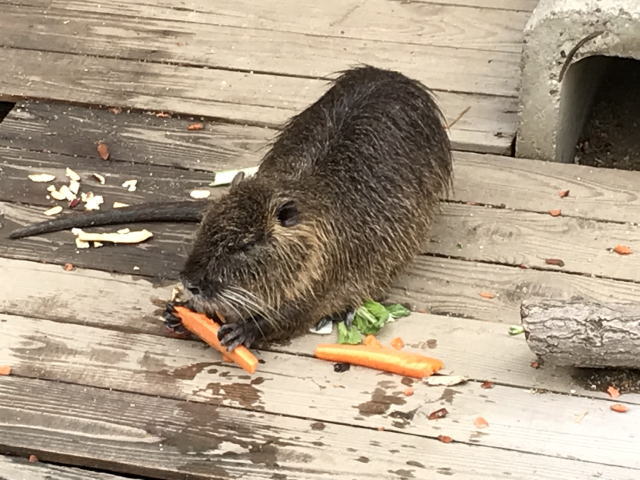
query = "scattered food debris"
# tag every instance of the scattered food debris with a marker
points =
(97, 244)
(67, 192)
(487, 295)
(56, 194)
(163, 115)
(225, 177)
(72, 175)
(93, 202)
(535, 364)
(136, 268)
(563, 193)
(74, 186)
(69, 267)
(622, 249)
(5, 370)
(120, 205)
(33, 459)
(446, 380)
(381, 429)
(516, 330)
(53, 211)
(554, 261)
(200, 194)
(436, 414)
(115, 110)
(618, 407)
(81, 244)
(445, 438)
(100, 178)
(341, 367)
(130, 237)
(613, 391)
(103, 151)
(555, 213)
(397, 343)
(130, 185)
(123, 230)
(487, 385)
(42, 177)
(195, 126)
(523, 266)
(480, 422)
(408, 391)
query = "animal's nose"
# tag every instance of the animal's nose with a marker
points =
(191, 286)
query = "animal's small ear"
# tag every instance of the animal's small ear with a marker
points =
(237, 179)
(288, 214)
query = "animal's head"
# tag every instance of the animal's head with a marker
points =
(257, 247)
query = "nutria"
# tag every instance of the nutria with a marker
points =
(339, 206)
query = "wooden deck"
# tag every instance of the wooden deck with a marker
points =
(98, 391)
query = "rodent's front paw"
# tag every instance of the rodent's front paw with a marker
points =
(232, 335)
(172, 322)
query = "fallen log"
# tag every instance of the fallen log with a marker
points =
(583, 333)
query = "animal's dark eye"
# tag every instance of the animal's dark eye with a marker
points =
(287, 214)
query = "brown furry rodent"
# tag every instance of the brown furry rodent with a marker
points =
(340, 205)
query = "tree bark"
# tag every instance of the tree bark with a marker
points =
(583, 333)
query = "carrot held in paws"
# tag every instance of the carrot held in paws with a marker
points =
(376, 356)
(206, 329)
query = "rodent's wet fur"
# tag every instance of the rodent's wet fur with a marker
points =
(340, 205)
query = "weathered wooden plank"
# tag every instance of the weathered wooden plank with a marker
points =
(422, 23)
(361, 397)
(524, 5)
(524, 184)
(168, 439)
(130, 304)
(595, 193)
(141, 35)
(16, 468)
(488, 125)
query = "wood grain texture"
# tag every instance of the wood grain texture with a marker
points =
(360, 397)
(141, 34)
(422, 23)
(488, 126)
(596, 193)
(167, 439)
(134, 305)
(583, 334)
(17, 468)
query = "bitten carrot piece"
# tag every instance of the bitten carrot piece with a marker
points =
(205, 328)
(372, 341)
(5, 370)
(380, 358)
(397, 343)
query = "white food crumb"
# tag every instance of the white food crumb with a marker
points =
(42, 177)
(81, 244)
(123, 231)
(99, 178)
(54, 210)
(130, 185)
(120, 205)
(72, 175)
(200, 193)
(74, 186)
(94, 202)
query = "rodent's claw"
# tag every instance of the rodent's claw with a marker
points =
(172, 322)
(232, 335)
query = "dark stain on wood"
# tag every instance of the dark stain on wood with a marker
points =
(380, 402)
(318, 426)
(244, 394)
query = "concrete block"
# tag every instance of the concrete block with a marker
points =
(568, 46)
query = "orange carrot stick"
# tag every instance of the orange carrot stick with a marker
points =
(380, 358)
(205, 328)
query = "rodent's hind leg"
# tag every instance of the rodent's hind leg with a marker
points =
(245, 332)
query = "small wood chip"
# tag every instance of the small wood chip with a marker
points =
(486, 385)
(613, 391)
(436, 414)
(618, 407)
(445, 380)
(101, 180)
(195, 126)
(563, 193)
(445, 438)
(120, 205)
(480, 422)
(42, 177)
(554, 261)
(130, 185)
(199, 194)
(408, 391)
(69, 267)
(115, 110)
(33, 459)
(555, 213)
(163, 115)
(487, 295)
(103, 151)
(72, 175)
(5, 370)
(53, 211)
(622, 250)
